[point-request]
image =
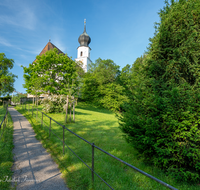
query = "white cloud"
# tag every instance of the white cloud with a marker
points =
(59, 45)
(34, 52)
(18, 13)
(18, 64)
(4, 42)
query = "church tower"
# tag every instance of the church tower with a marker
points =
(83, 51)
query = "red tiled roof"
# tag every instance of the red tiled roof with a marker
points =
(48, 47)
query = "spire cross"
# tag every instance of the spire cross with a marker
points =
(84, 25)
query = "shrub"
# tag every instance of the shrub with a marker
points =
(112, 96)
(54, 103)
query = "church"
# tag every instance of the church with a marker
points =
(83, 51)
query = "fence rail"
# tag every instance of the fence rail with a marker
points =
(93, 146)
(5, 120)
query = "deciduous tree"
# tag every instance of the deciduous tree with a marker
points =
(101, 87)
(57, 72)
(7, 79)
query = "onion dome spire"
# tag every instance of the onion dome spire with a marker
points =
(84, 39)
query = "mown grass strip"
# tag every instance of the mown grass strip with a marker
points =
(6, 155)
(101, 127)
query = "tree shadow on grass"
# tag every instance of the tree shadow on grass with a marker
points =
(94, 108)
(81, 113)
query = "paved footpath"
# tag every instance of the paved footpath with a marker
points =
(33, 167)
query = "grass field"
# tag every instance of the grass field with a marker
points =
(98, 126)
(6, 156)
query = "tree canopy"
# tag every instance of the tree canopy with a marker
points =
(162, 118)
(7, 79)
(104, 70)
(56, 74)
(101, 85)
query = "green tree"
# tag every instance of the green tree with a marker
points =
(7, 79)
(112, 96)
(162, 119)
(89, 88)
(101, 87)
(104, 70)
(131, 77)
(58, 73)
(16, 97)
(36, 89)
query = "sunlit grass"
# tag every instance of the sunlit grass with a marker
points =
(101, 127)
(6, 155)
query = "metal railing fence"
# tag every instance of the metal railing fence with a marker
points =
(93, 146)
(4, 122)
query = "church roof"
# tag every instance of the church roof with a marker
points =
(84, 39)
(48, 47)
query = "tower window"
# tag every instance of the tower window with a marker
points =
(81, 53)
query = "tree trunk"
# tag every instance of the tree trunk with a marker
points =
(66, 109)
(70, 112)
(74, 111)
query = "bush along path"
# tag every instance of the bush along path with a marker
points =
(33, 167)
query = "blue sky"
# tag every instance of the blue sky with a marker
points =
(119, 29)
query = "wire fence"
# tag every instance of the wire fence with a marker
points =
(39, 115)
(4, 122)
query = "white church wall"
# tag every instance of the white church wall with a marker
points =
(83, 52)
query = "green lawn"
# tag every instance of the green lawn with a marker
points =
(101, 127)
(6, 156)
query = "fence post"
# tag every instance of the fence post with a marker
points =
(4, 122)
(7, 117)
(3, 125)
(66, 108)
(50, 128)
(63, 140)
(93, 165)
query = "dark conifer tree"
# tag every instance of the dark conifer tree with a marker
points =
(162, 119)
